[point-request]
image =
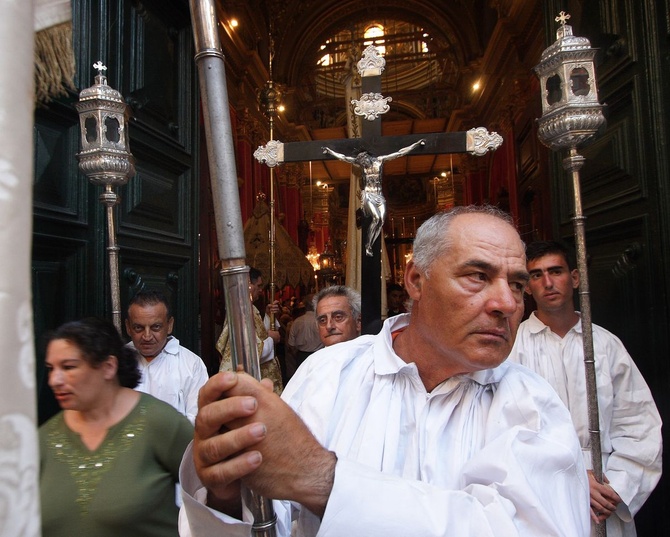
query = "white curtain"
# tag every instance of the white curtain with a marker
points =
(19, 491)
(49, 13)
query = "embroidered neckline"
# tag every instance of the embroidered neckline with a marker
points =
(87, 468)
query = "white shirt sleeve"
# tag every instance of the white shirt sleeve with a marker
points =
(630, 425)
(192, 389)
(510, 505)
(266, 323)
(268, 352)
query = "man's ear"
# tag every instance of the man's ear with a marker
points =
(170, 325)
(413, 281)
(574, 274)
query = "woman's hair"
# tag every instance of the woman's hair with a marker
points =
(97, 339)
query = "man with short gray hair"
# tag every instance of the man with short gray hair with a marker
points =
(338, 314)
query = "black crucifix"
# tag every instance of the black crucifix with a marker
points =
(369, 152)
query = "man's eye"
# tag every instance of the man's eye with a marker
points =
(517, 286)
(339, 317)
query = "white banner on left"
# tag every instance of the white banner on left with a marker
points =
(19, 459)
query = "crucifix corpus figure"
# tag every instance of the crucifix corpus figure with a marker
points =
(372, 198)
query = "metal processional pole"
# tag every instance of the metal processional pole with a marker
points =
(106, 160)
(210, 61)
(269, 98)
(571, 115)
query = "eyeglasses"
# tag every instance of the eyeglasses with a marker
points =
(336, 316)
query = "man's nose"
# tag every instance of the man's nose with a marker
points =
(146, 333)
(503, 300)
(547, 282)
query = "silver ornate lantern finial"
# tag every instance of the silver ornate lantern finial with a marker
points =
(571, 115)
(106, 160)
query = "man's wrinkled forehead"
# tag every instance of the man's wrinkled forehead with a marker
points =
(471, 231)
(333, 302)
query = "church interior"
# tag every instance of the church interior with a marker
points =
(290, 70)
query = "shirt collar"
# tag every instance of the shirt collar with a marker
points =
(172, 346)
(387, 362)
(536, 326)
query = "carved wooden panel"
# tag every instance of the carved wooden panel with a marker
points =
(158, 76)
(59, 268)
(159, 200)
(56, 139)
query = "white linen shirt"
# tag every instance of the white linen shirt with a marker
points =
(490, 453)
(630, 425)
(174, 376)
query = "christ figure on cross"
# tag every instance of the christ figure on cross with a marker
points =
(372, 199)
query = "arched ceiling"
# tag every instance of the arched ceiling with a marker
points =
(304, 30)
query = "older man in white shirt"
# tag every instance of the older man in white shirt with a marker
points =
(419, 430)
(170, 372)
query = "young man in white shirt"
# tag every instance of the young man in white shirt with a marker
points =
(550, 343)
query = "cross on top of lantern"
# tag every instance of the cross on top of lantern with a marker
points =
(571, 113)
(103, 120)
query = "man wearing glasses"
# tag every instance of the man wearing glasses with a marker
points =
(338, 314)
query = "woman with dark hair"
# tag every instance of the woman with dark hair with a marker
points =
(110, 460)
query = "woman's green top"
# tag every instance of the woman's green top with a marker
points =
(125, 487)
